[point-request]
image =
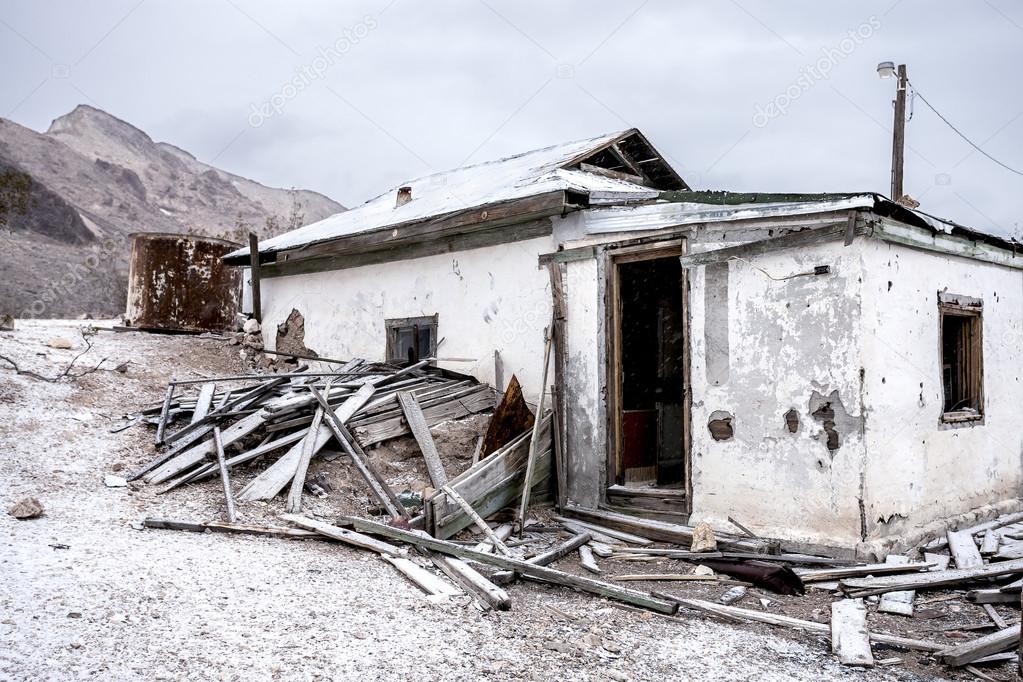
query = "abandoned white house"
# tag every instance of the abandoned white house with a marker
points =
(834, 370)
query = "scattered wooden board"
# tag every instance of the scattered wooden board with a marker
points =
(963, 549)
(899, 603)
(850, 640)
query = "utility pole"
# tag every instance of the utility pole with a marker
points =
(899, 134)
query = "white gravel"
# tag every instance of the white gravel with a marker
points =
(120, 603)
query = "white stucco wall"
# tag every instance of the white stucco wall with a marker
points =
(786, 341)
(917, 469)
(488, 298)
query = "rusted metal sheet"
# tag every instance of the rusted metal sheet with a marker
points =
(178, 282)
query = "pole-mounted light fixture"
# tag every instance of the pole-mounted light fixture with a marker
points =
(888, 70)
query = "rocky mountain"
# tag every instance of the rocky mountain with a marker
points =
(95, 179)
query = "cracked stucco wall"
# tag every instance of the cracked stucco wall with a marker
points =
(918, 469)
(485, 299)
(763, 349)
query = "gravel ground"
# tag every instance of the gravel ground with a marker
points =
(86, 596)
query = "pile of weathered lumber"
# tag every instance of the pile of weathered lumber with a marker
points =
(235, 420)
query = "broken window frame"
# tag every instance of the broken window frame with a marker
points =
(395, 326)
(971, 360)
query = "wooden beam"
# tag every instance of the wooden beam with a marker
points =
(343, 535)
(964, 549)
(968, 652)
(661, 531)
(419, 576)
(850, 640)
(474, 582)
(294, 503)
(335, 422)
(634, 597)
(865, 587)
(421, 432)
(477, 519)
(534, 440)
(257, 302)
(547, 558)
(737, 613)
(224, 478)
(807, 237)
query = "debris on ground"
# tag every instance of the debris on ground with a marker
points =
(425, 530)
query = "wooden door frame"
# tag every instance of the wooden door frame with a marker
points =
(613, 345)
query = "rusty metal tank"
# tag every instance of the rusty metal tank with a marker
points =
(178, 282)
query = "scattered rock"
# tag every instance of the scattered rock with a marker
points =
(122, 368)
(733, 595)
(117, 466)
(618, 676)
(251, 327)
(703, 538)
(76, 644)
(703, 570)
(112, 481)
(26, 508)
(6, 322)
(59, 342)
(560, 647)
(74, 614)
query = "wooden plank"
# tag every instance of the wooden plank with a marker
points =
(940, 561)
(587, 561)
(738, 613)
(899, 603)
(968, 652)
(547, 558)
(560, 311)
(419, 576)
(995, 618)
(503, 532)
(989, 545)
(684, 577)
(343, 535)
(511, 418)
(161, 426)
(474, 582)
(812, 575)
(534, 441)
(477, 519)
(476, 399)
(203, 401)
(254, 274)
(226, 527)
(964, 549)
(377, 485)
(417, 424)
(660, 530)
(197, 453)
(224, 478)
(273, 479)
(294, 503)
(489, 486)
(991, 597)
(606, 532)
(864, 587)
(850, 640)
(634, 597)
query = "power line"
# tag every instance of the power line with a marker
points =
(960, 133)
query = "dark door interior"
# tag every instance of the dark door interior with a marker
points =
(651, 357)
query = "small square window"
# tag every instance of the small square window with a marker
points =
(411, 339)
(962, 358)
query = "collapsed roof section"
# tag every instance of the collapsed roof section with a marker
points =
(609, 169)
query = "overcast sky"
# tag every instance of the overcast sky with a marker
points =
(352, 98)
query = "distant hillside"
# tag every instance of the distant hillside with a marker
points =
(94, 180)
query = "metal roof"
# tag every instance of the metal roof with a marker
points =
(515, 177)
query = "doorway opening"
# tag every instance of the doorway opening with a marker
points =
(649, 371)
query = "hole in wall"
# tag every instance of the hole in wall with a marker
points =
(792, 420)
(720, 425)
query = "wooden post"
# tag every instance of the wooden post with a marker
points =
(527, 483)
(224, 479)
(257, 305)
(899, 134)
